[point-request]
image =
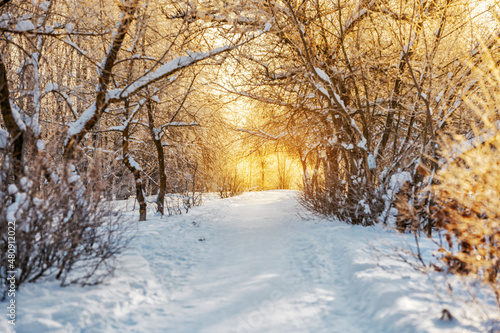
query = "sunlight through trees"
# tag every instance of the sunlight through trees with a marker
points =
(358, 104)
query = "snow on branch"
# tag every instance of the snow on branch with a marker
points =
(159, 131)
(104, 97)
(337, 100)
(4, 138)
(166, 70)
(179, 123)
(173, 67)
(216, 15)
(79, 125)
(126, 123)
(131, 162)
(89, 118)
(17, 114)
(76, 47)
(322, 75)
(48, 30)
(54, 88)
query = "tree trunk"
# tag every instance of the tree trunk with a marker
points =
(135, 170)
(314, 183)
(13, 126)
(155, 137)
(331, 167)
(305, 174)
(139, 189)
(139, 185)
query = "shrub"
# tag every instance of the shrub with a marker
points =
(229, 185)
(463, 199)
(63, 229)
(468, 210)
(414, 204)
(361, 205)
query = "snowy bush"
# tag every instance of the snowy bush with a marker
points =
(176, 203)
(359, 205)
(62, 227)
(412, 201)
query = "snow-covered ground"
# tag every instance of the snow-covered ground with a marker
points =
(253, 263)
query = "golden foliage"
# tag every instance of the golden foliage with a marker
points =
(462, 198)
(468, 197)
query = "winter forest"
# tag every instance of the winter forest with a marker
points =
(250, 166)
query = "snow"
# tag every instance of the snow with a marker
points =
(250, 264)
(17, 206)
(17, 114)
(322, 75)
(25, 25)
(45, 5)
(132, 162)
(398, 180)
(4, 20)
(78, 126)
(51, 87)
(172, 67)
(4, 138)
(69, 28)
(127, 122)
(322, 90)
(12, 189)
(474, 142)
(362, 144)
(396, 183)
(180, 123)
(76, 47)
(365, 206)
(120, 128)
(341, 102)
(438, 97)
(114, 94)
(372, 163)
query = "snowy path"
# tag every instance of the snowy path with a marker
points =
(259, 267)
(263, 274)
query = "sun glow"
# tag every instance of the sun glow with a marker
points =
(267, 171)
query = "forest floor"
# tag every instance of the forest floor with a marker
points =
(254, 263)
